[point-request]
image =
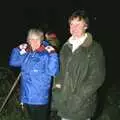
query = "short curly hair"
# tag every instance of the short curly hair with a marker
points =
(37, 32)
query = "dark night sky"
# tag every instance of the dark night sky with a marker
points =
(16, 18)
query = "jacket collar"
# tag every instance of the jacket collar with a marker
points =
(41, 48)
(88, 41)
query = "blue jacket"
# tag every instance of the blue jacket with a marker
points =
(37, 68)
(45, 42)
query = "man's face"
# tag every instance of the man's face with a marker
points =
(34, 41)
(77, 27)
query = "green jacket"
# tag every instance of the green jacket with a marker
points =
(81, 75)
(55, 43)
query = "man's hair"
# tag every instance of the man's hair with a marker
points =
(51, 34)
(37, 32)
(81, 14)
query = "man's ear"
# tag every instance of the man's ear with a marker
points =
(85, 26)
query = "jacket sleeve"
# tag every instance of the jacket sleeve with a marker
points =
(16, 58)
(53, 64)
(95, 77)
(59, 77)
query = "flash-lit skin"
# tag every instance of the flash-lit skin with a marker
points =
(34, 41)
(77, 27)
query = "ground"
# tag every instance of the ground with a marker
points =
(108, 108)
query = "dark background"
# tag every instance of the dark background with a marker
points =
(16, 17)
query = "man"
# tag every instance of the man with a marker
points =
(51, 37)
(82, 72)
(38, 63)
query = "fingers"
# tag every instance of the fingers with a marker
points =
(49, 49)
(58, 85)
(23, 46)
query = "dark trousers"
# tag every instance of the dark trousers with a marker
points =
(38, 112)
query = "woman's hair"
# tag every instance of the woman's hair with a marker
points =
(37, 32)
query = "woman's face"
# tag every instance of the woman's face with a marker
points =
(34, 41)
(77, 27)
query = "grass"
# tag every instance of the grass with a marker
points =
(12, 109)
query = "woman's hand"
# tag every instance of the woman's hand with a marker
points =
(22, 48)
(49, 49)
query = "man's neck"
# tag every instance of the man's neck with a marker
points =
(80, 36)
(76, 42)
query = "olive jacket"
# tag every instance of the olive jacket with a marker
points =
(81, 74)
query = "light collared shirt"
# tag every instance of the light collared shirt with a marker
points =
(76, 42)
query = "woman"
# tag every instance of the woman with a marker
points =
(38, 64)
